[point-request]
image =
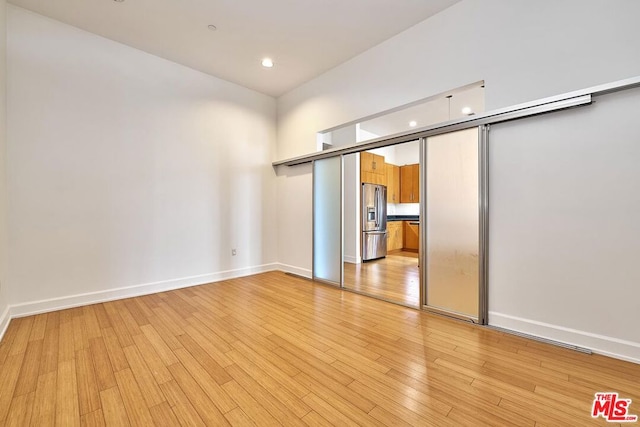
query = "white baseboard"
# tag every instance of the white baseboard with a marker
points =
(352, 259)
(70, 301)
(5, 318)
(600, 344)
(295, 270)
(608, 346)
(60, 303)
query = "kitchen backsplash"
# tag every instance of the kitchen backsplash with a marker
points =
(403, 208)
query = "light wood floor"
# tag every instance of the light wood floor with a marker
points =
(273, 349)
(394, 278)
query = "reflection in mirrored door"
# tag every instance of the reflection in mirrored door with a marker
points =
(452, 223)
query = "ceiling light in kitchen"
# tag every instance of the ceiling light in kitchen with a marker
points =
(267, 62)
(467, 111)
(413, 123)
(212, 27)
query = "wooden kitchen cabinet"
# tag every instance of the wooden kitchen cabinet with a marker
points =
(410, 184)
(393, 183)
(372, 168)
(411, 236)
(370, 162)
(395, 233)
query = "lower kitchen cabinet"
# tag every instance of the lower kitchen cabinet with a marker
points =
(411, 236)
(394, 235)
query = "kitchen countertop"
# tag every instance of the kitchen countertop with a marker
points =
(403, 218)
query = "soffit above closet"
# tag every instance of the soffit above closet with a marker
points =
(305, 38)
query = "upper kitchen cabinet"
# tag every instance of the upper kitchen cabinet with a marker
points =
(372, 169)
(393, 183)
(410, 184)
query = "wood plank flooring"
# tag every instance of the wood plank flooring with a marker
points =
(393, 278)
(273, 349)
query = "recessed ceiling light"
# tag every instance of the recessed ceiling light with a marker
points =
(413, 123)
(118, 1)
(267, 62)
(467, 110)
(211, 26)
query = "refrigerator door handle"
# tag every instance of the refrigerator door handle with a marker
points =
(379, 204)
(376, 200)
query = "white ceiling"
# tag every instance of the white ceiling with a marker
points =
(304, 37)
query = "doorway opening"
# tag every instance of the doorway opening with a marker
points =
(406, 215)
(381, 190)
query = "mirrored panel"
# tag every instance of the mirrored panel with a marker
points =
(452, 222)
(327, 220)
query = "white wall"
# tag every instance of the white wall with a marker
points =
(522, 50)
(295, 218)
(363, 134)
(564, 232)
(351, 208)
(3, 170)
(343, 136)
(126, 169)
(407, 153)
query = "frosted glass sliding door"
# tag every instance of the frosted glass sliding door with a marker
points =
(327, 220)
(452, 223)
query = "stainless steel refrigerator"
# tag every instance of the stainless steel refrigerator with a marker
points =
(374, 221)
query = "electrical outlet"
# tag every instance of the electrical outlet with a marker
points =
(233, 252)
